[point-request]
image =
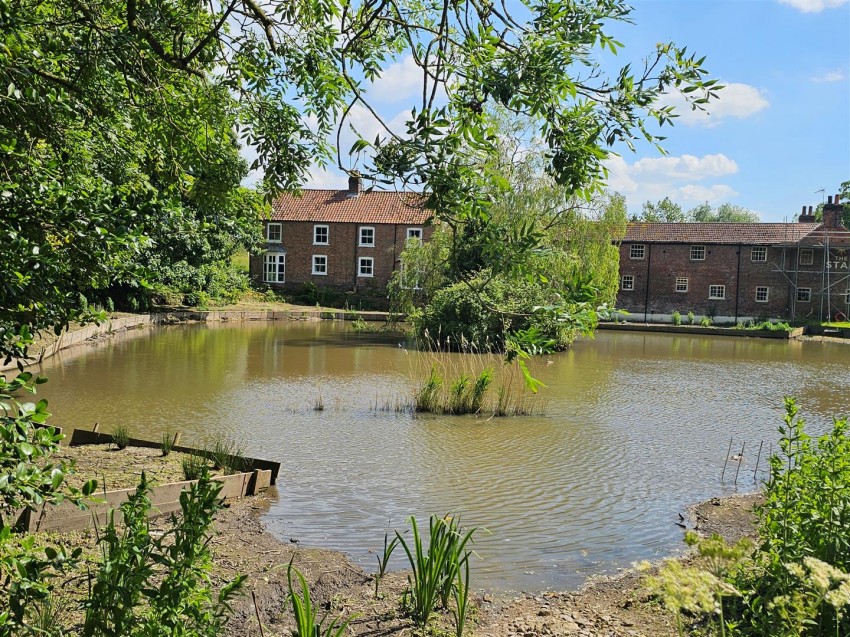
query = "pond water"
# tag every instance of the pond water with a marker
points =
(635, 427)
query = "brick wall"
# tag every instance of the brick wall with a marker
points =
(343, 252)
(731, 266)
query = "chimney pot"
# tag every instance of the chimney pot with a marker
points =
(829, 200)
(810, 210)
(837, 199)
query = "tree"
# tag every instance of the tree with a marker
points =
(121, 117)
(724, 213)
(662, 211)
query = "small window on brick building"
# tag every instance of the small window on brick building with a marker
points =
(414, 233)
(717, 292)
(762, 293)
(366, 267)
(759, 254)
(274, 268)
(320, 264)
(807, 256)
(627, 282)
(274, 233)
(681, 284)
(697, 253)
(367, 237)
(637, 251)
(804, 295)
(320, 235)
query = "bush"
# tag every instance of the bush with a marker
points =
(121, 436)
(481, 318)
(705, 321)
(677, 319)
(691, 318)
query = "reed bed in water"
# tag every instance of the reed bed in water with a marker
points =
(466, 380)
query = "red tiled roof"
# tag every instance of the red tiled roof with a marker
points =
(340, 206)
(744, 233)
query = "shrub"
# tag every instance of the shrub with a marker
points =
(121, 436)
(677, 318)
(691, 318)
(705, 321)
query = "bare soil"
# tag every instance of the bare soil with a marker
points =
(609, 607)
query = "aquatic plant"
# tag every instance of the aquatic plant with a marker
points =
(384, 559)
(166, 443)
(121, 436)
(426, 397)
(226, 454)
(305, 611)
(193, 466)
(435, 569)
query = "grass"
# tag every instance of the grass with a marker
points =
(193, 466)
(225, 455)
(167, 443)
(121, 436)
(305, 610)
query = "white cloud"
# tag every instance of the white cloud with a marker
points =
(813, 6)
(711, 194)
(831, 76)
(653, 178)
(400, 81)
(327, 179)
(734, 100)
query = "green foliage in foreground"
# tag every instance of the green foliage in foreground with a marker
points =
(306, 613)
(797, 582)
(440, 571)
(770, 326)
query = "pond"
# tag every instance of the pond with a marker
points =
(634, 428)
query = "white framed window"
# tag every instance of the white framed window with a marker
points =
(414, 233)
(804, 295)
(366, 267)
(717, 292)
(762, 293)
(627, 282)
(807, 256)
(366, 237)
(637, 251)
(320, 264)
(681, 284)
(320, 235)
(274, 232)
(697, 253)
(274, 267)
(758, 254)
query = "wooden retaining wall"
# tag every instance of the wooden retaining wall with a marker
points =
(165, 498)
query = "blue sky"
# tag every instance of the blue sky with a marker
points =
(780, 132)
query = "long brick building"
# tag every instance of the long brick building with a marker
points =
(344, 239)
(734, 272)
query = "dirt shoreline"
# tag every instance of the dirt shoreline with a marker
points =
(610, 607)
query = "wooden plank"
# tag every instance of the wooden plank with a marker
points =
(165, 499)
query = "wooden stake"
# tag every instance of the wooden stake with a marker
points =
(756, 470)
(257, 611)
(728, 451)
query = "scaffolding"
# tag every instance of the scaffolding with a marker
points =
(833, 293)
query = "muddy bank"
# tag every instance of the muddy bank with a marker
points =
(610, 607)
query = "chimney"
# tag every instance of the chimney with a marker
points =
(355, 187)
(807, 217)
(832, 213)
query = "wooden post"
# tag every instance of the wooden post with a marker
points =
(176, 439)
(96, 427)
(728, 451)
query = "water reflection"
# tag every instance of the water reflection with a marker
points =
(636, 428)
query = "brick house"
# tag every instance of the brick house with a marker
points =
(735, 272)
(342, 239)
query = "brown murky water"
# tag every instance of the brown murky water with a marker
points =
(636, 427)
